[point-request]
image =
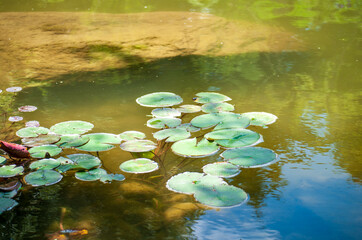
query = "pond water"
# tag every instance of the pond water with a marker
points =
(312, 192)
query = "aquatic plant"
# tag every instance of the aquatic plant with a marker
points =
(215, 130)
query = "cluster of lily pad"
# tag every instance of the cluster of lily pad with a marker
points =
(226, 133)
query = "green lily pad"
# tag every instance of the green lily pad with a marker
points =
(159, 99)
(100, 142)
(47, 163)
(41, 151)
(91, 175)
(190, 182)
(211, 97)
(85, 161)
(235, 138)
(221, 196)
(131, 135)
(190, 148)
(217, 107)
(165, 112)
(172, 134)
(43, 178)
(2, 160)
(10, 171)
(138, 146)
(260, 118)
(65, 164)
(160, 123)
(7, 204)
(221, 120)
(40, 140)
(31, 132)
(71, 127)
(188, 127)
(221, 169)
(139, 165)
(14, 185)
(70, 141)
(110, 177)
(250, 157)
(189, 108)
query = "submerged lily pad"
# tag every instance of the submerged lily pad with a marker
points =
(217, 107)
(43, 178)
(131, 135)
(42, 151)
(69, 141)
(138, 146)
(211, 97)
(165, 112)
(47, 163)
(91, 175)
(100, 142)
(139, 165)
(15, 119)
(221, 169)
(222, 195)
(260, 118)
(2, 160)
(189, 108)
(222, 120)
(85, 161)
(159, 99)
(188, 127)
(160, 123)
(110, 177)
(190, 182)
(14, 89)
(10, 171)
(40, 140)
(7, 204)
(27, 108)
(32, 124)
(250, 157)
(31, 132)
(172, 134)
(71, 127)
(190, 148)
(235, 138)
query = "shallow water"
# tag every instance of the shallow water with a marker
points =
(312, 192)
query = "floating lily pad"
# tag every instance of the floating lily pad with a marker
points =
(7, 204)
(172, 134)
(14, 89)
(43, 178)
(32, 124)
(110, 177)
(47, 163)
(9, 186)
(159, 99)
(139, 165)
(100, 142)
(15, 119)
(260, 118)
(160, 123)
(211, 97)
(2, 160)
(222, 120)
(10, 171)
(69, 141)
(131, 135)
(91, 175)
(165, 112)
(250, 157)
(42, 151)
(189, 108)
(27, 108)
(190, 182)
(138, 146)
(217, 107)
(85, 161)
(221, 196)
(66, 164)
(71, 127)
(190, 148)
(40, 140)
(31, 132)
(235, 138)
(221, 169)
(188, 127)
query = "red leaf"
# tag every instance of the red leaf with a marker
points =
(15, 150)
